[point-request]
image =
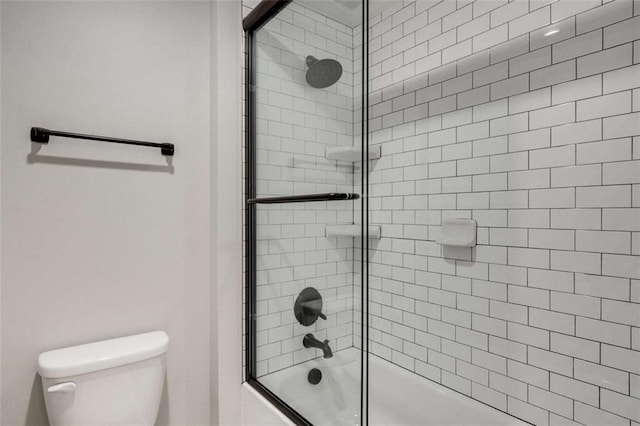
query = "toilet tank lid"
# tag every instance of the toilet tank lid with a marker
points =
(97, 356)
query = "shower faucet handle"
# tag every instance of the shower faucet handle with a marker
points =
(313, 307)
(308, 307)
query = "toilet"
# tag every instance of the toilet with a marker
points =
(111, 382)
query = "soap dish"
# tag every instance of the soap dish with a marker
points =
(458, 233)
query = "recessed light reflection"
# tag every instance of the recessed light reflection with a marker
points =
(551, 32)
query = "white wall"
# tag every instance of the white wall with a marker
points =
(94, 249)
(227, 218)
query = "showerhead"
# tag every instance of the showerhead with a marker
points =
(322, 73)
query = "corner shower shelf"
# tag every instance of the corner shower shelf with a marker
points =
(350, 154)
(351, 231)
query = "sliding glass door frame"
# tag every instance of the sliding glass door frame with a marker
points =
(364, 221)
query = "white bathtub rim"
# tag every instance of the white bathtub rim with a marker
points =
(255, 406)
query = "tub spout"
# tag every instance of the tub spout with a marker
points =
(310, 341)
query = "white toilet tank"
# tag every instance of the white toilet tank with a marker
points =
(112, 382)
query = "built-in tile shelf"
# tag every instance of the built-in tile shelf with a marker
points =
(351, 231)
(350, 154)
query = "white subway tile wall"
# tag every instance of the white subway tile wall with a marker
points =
(522, 115)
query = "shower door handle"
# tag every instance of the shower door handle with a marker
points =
(331, 196)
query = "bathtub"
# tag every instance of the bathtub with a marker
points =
(396, 396)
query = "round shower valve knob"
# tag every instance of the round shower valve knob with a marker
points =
(308, 307)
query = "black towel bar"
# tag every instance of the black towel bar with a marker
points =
(41, 135)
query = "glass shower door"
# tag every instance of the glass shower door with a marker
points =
(304, 211)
